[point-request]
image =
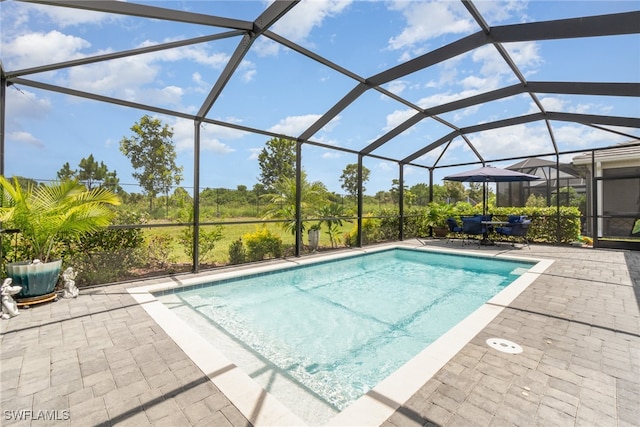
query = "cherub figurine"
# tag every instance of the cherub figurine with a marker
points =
(9, 305)
(70, 288)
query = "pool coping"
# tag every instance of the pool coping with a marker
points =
(373, 408)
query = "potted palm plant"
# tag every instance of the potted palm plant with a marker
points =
(43, 214)
(436, 217)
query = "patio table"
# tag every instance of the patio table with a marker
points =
(485, 236)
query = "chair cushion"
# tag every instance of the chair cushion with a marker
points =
(513, 219)
(504, 230)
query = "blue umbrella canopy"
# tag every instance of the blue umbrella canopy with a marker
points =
(487, 174)
(491, 174)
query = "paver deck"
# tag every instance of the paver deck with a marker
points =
(101, 360)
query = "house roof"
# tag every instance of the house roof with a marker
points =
(533, 163)
(625, 151)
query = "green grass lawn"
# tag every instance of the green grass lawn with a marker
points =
(230, 233)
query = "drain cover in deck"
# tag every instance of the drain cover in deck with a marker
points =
(504, 346)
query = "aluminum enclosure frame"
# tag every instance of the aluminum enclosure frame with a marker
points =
(249, 31)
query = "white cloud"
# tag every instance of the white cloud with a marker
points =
(428, 20)
(265, 47)
(397, 117)
(254, 153)
(526, 55)
(38, 48)
(549, 103)
(570, 136)
(248, 75)
(499, 11)
(23, 137)
(513, 141)
(211, 137)
(169, 96)
(298, 24)
(196, 53)
(294, 125)
(307, 15)
(476, 83)
(386, 166)
(24, 104)
(120, 77)
(331, 154)
(396, 87)
(67, 16)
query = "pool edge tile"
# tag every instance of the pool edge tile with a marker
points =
(240, 389)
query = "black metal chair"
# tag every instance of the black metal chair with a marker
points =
(515, 230)
(454, 228)
(473, 226)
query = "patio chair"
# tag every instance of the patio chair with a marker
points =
(515, 230)
(454, 229)
(512, 219)
(473, 226)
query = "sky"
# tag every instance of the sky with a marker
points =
(278, 90)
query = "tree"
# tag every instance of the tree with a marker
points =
(349, 179)
(475, 192)
(395, 190)
(455, 191)
(112, 182)
(91, 172)
(153, 157)
(277, 161)
(66, 173)
(421, 193)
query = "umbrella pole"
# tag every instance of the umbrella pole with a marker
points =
(484, 198)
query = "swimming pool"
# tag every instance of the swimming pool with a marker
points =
(326, 334)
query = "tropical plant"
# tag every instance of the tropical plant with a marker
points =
(283, 200)
(330, 216)
(46, 213)
(437, 214)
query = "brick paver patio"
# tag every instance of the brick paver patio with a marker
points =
(100, 360)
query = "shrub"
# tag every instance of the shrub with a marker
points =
(389, 225)
(106, 255)
(262, 243)
(370, 232)
(206, 242)
(544, 222)
(237, 253)
(160, 250)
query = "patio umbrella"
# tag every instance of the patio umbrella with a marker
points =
(487, 174)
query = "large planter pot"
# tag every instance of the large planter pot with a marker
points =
(35, 279)
(440, 231)
(314, 238)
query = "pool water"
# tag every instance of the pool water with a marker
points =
(334, 330)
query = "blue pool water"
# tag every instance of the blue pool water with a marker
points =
(338, 328)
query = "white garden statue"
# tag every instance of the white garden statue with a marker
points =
(70, 288)
(9, 305)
